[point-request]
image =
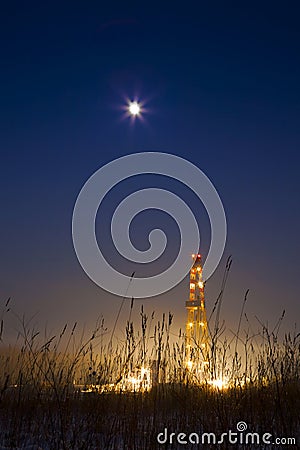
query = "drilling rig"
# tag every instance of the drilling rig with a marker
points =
(197, 335)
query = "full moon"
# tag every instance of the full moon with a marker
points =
(134, 108)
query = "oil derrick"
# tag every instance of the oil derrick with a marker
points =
(197, 336)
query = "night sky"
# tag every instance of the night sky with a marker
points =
(221, 88)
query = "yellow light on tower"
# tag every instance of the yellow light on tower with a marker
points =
(189, 364)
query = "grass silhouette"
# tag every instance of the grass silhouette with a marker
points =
(43, 403)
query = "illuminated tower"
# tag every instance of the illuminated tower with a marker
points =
(197, 337)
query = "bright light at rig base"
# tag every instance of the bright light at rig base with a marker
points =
(219, 383)
(134, 108)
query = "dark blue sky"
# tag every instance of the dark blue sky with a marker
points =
(222, 90)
